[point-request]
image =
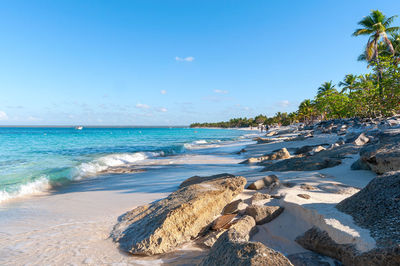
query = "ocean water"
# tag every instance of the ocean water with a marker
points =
(38, 159)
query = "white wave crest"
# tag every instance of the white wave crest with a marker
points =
(112, 160)
(35, 187)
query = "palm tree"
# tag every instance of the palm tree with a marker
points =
(377, 26)
(325, 87)
(348, 83)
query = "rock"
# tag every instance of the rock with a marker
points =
(289, 184)
(263, 214)
(318, 149)
(234, 207)
(210, 238)
(303, 150)
(269, 182)
(199, 179)
(277, 155)
(320, 241)
(361, 140)
(259, 197)
(222, 222)
(308, 259)
(280, 154)
(233, 248)
(272, 133)
(307, 187)
(304, 196)
(360, 165)
(323, 159)
(263, 140)
(383, 156)
(163, 225)
(375, 207)
(241, 151)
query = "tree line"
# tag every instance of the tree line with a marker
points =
(376, 94)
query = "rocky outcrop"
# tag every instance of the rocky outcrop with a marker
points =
(161, 226)
(304, 196)
(277, 155)
(320, 242)
(233, 248)
(269, 182)
(383, 156)
(199, 179)
(323, 159)
(377, 207)
(361, 140)
(263, 214)
(259, 197)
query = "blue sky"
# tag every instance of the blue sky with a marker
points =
(171, 62)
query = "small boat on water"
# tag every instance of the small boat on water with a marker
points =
(79, 127)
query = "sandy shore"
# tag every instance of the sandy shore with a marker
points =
(71, 226)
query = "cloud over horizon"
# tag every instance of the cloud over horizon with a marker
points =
(221, 91)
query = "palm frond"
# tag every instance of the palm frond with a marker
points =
(389, 21)
(358, 32)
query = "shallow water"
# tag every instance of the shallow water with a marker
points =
(34, 160)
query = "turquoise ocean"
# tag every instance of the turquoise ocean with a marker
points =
(37, 159)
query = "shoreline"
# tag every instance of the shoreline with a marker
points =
(332, 186)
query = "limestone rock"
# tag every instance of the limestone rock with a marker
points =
(323, 159)
(233, 248)
(199, 179)
(259, 197)
(269, 182)
(234, 207)
(223, 221)
(272, 133)
(360, 165)
(277, 155)
(161, 226)
(263, 214)
(320, 241)
(307, 187)
(383, 156)
(280, 154)
(304, 196)
(308, 259)
(376, 208)
(361, 140)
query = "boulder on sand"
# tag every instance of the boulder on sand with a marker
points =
(323, 159)
(320, 242)
(263, 214)
(276, 155)
(383, 156)
(233, 248)
(270, 182)
(163, 225)
(199, 179)
(377, 207)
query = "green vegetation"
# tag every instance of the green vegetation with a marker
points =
(376, 94)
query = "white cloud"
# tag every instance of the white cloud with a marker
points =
(142, 106)
(163, 109)
(284, 103)
(184, 59)
(163, 92)
(33, 118)
(3, 115)
(221, 91)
